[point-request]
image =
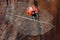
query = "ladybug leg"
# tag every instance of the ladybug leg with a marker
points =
(37, 16)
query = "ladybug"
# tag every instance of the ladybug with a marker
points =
(32, 11)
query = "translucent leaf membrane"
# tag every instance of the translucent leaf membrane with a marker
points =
(31, 25)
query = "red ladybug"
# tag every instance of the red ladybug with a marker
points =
(32, 11)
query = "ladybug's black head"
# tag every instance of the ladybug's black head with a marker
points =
(34, 14)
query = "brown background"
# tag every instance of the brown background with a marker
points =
(53, 6)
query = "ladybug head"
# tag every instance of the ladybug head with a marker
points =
(31, 10)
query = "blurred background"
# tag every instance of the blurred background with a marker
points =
(14, 27)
